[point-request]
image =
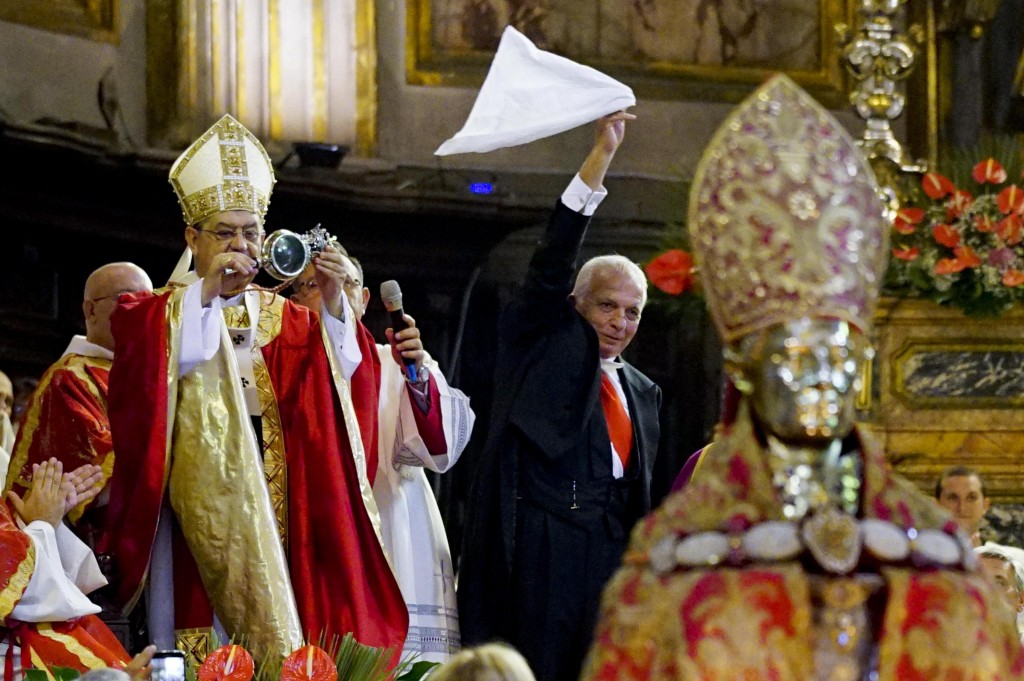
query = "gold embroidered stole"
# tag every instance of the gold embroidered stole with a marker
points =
(275, 468)
(220, 497)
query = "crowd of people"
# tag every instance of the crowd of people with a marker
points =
(231, 461)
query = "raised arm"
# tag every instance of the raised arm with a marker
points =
(549, 278)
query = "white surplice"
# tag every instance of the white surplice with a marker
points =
(411, 525)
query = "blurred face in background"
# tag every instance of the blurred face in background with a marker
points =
(1001, 572)
(306, 292)
(962, 495)
(6, 395)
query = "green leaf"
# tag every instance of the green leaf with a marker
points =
(64, 673)
(418, 671)
(58, 673)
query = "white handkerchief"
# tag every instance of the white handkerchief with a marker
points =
(530, 94)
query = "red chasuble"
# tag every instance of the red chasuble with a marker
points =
(67, 419)
(339, 574)
(84, 643)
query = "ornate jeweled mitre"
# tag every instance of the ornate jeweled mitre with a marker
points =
(225, 169)
(785, 217)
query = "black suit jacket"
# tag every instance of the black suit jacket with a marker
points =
(547, 431)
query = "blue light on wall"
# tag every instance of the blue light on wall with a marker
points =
(481, 188)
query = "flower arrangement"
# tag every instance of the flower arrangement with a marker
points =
(962, 243)
(672, 274)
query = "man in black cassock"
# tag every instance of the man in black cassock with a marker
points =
(556, 497)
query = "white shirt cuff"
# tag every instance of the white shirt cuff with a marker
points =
(342, 335)
(581, 198)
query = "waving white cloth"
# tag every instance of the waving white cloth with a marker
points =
(530, 94)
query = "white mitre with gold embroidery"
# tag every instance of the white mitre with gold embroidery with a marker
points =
(225, 169)
(785, 217)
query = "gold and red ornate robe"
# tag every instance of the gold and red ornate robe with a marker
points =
(66, 418)
(284, 543)
(752, 619)
(82, 643)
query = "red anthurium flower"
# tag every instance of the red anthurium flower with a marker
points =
(936, 185)
(906, 219)
(946, 235)
(967, 256)
(989, 172)
(911, 215)
(672, 271)
(948, 266)
(959, 202)
(309, 663)
(984, 223)
(1010, 200)
(227, 663)
(1010, 229)
(1013, 278)
(906, 253)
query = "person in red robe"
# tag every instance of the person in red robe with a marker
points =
(243, 431)
(66, 417)
(45, 574)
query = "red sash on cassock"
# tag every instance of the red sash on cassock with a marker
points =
(340, 576)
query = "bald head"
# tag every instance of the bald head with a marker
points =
(102, 289)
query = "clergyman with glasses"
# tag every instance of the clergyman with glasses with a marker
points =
(66, 417)
(245, 414)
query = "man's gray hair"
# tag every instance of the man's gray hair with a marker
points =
(1007, 554)
(610, 264)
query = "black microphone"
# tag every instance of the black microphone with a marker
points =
(391, 294)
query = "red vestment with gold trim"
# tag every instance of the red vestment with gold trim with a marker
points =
(84, 643)
(339, 574)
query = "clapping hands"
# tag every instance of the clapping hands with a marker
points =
(54, 493)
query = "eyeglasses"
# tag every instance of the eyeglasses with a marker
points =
(253, 236)
(303, 289)
(306, 288)
(112, 295)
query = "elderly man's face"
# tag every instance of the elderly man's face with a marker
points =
(612, 305)
(102, 291)
(236, 231)
(963, 497)
(6, 395)
(305, 290)
(1001, 573)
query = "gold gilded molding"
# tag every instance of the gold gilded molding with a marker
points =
(319, 94)
(863, 400)
(429, 64)
(924, 87)
(241, 108)
(274, 68)
(366, 77)
(217, 36)
(93, 19)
